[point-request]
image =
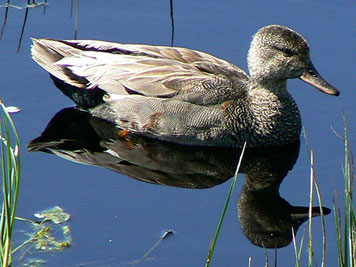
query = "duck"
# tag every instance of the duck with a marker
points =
(186, 96)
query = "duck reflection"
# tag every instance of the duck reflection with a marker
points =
(266, 219)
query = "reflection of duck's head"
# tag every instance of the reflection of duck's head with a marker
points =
(267, 219)
(279, 53)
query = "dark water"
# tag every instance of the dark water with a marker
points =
(115, 219)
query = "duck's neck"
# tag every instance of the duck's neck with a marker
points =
(277, 86)
(269, 92)
(275, 115)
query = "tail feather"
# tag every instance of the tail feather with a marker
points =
(47, 53)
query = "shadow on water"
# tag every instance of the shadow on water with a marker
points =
(266, 218)
(30, 4)
(172, 21)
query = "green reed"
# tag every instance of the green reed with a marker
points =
(10, 163)
(345, 225)
(315, 186)
(222, 216)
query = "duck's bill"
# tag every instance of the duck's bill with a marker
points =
(312, 77)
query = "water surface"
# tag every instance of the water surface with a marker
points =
(115, 219)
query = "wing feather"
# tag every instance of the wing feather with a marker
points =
(156, 71)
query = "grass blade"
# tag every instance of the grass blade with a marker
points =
(310, 243)
(349, 215)
(10, 164)
(217, 232)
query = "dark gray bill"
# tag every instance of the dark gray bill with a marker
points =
(312, 77)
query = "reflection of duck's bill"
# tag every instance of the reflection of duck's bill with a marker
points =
(302, 213)
(313, 77)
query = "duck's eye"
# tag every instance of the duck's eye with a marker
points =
(287, 52)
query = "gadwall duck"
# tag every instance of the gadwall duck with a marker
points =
(186, 96)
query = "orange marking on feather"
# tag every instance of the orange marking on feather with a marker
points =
(123, 133)
(153, 123)
(226, 104)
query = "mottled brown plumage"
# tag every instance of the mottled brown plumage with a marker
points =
(186, 96)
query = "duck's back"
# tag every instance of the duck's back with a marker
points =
(126, 68)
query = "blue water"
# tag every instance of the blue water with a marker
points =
(115, 219)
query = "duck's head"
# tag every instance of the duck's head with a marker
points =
(278, 53)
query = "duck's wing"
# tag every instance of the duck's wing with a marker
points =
(157, 71)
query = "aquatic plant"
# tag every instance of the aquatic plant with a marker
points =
(10, 163)
(345, 225)
(222, 216)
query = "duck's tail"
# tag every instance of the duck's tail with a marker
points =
(47, 53)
